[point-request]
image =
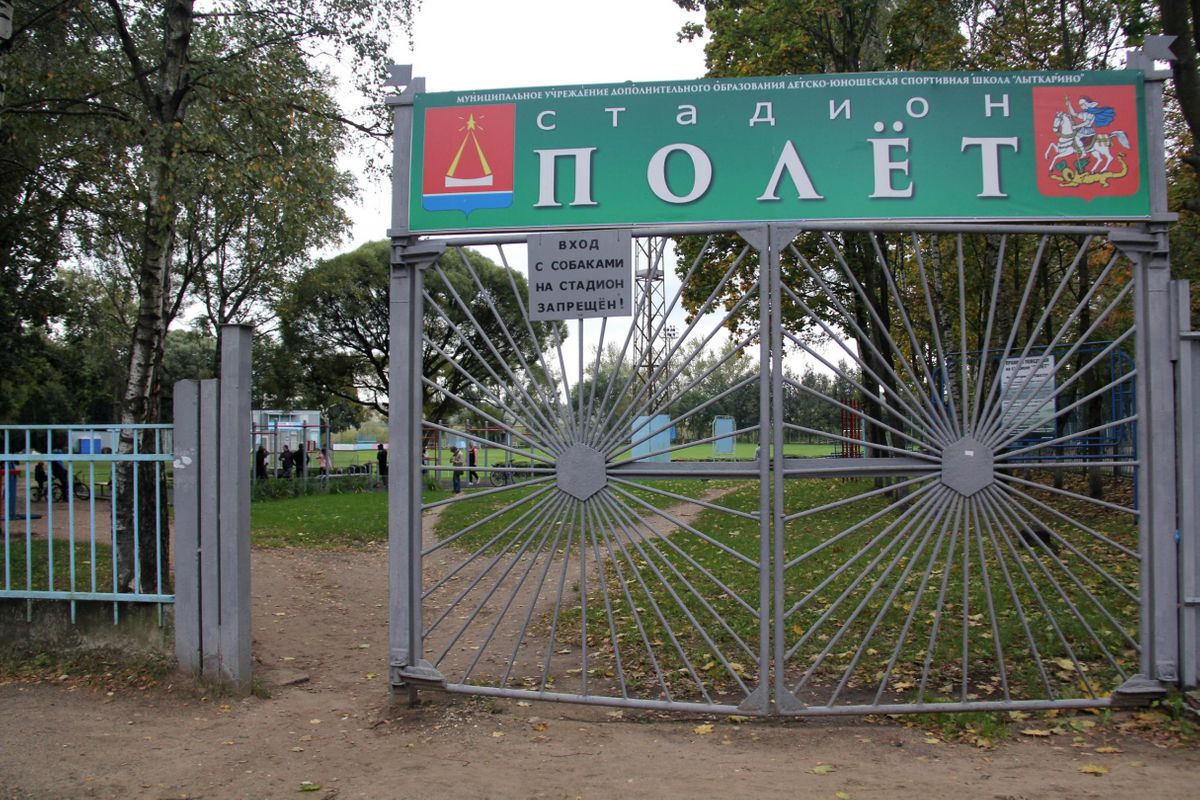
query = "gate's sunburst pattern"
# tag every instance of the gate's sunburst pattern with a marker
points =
(937, 509)
(576, 562)
(981, 545)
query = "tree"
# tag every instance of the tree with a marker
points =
(814, 36)
(807, 36)
(709, 375)
(335, 328)
(187, 355)
(268, 191)
(48, 163)
(1052, 34)
(144, 79)
(1182, 20)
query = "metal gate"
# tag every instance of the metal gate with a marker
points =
(953, 482)
(991, 548)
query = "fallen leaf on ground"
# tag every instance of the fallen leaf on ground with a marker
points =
(309, 786)
(1093, 769)
(497, 734)
(822, 769)
(1035, 732)
(704, 729)
(1109, 749)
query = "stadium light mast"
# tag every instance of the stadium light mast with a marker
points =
(650, 345)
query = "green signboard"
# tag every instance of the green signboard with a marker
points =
(885, 146)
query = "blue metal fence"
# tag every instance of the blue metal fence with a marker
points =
(59, 507)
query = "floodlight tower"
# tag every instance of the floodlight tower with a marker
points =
(650, 305)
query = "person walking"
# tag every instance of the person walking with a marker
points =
(472, 475)
(260, 462)
(456, 461)
(285, 461)
(381, 458)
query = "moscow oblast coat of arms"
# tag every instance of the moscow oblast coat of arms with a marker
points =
(1087, 139)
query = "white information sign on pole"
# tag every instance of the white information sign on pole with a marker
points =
(1027, 388)
(581, 274)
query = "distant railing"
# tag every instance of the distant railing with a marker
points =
(59, 508)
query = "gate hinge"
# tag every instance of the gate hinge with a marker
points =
(406, 252)
(422, 674)
(1150, 242)
(1138, 690)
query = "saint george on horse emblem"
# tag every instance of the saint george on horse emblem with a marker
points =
(1083, 150)
(1087, 140)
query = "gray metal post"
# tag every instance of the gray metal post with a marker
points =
(400, 77)
(1156, 433)
(404, 481)
(1157, 495)
(234, 509)
(404, 546)
(187, 526)
(759, 238)
(780, 236)
(405, 643)
(1187, 395)
(209, 530)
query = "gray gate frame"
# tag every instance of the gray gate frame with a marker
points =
(1168, 363)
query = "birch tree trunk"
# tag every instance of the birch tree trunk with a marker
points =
(166, 105)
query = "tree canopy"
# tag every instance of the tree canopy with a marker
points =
(334, 320)
(186, 149)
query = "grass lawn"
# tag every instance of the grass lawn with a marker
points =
(867, 597)
(320, 521)
(34, 573)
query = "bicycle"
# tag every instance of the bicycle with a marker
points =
(58, 492)
(504, 476)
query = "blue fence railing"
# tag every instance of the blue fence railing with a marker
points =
(59, 497)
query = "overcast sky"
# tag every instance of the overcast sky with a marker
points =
(485, 44)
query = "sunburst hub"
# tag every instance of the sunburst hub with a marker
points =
(581, 471)
(967, 466)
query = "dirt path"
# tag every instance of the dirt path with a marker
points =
(485, 618)
(320, 642)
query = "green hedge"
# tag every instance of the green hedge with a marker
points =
(275, 488)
